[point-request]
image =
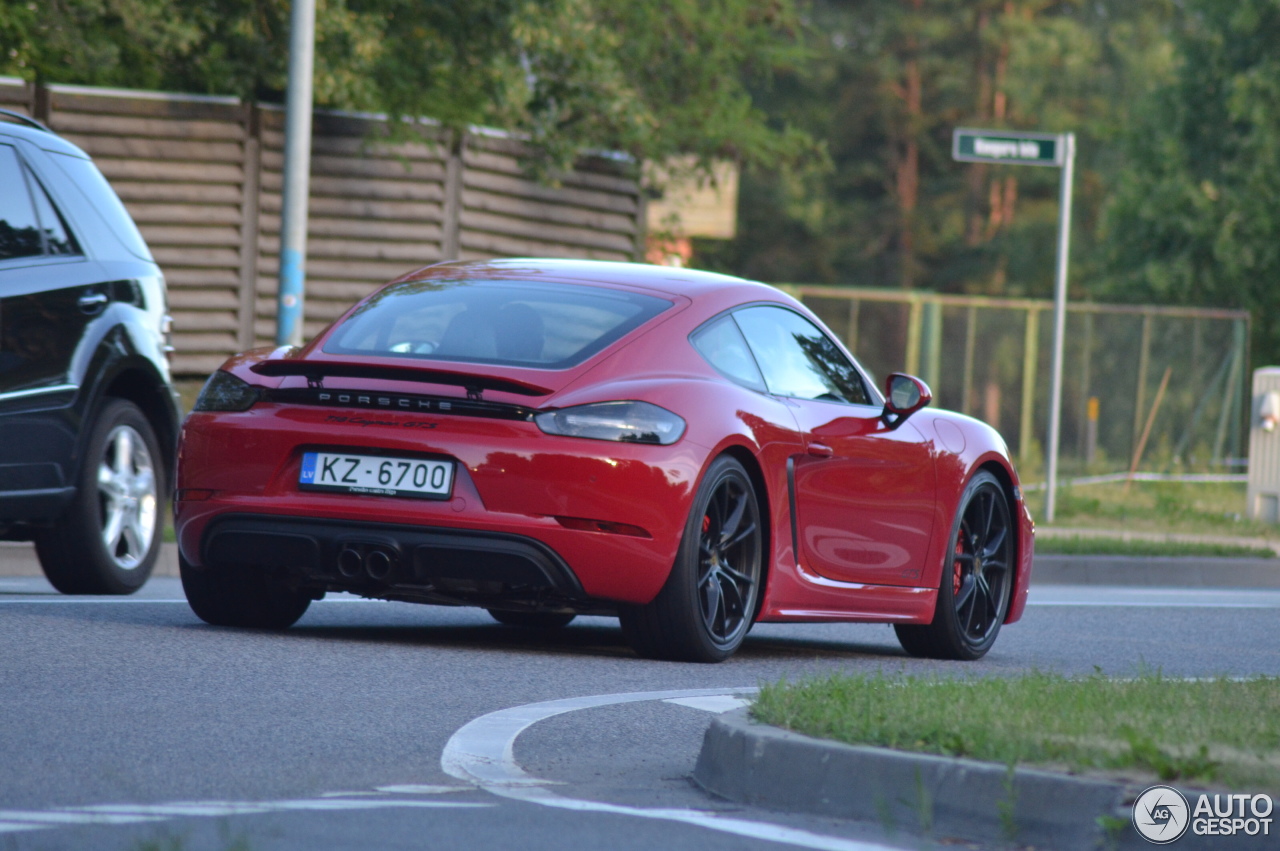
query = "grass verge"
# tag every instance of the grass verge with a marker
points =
(1212, 508)
(1220, 732)
(1101, 546)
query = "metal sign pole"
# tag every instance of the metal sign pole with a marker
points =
(1015, 147)
(1059, 322)
(297, 171)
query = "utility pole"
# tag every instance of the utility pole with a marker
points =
(291, 292)
(1059, 322)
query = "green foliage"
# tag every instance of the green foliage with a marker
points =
(650, 79)
(1214, 508)
(1195, 217)
(1106, 546)
(1029, 64)
(1145, 753)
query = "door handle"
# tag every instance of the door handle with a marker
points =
(92, 302)
(820, 450)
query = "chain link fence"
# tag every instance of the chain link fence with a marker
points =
(1176, 374)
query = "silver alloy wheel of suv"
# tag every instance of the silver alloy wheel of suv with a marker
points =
(127, 492)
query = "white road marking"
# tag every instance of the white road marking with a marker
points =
(12, 821)
(415, 789)
(715, 704)
(1119, 604)
(73, 601)
(347, 794)
(1089, 596)
(182, 808)
(87, 601)
(14, 827)
(368, 804)
(28, 598)
(482, 752)
(52, 818)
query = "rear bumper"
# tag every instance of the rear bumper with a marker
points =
(611, 513)
(398, 561)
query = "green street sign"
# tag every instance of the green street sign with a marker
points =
(1006, 146)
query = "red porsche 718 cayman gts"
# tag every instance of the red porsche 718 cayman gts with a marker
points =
(543, 438)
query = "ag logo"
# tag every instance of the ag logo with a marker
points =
(1160, 814)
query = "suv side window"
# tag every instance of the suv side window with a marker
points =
(797, 359)
(29, 224)
(57, 237)
(20, 234)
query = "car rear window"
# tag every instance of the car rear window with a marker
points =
(541, 325)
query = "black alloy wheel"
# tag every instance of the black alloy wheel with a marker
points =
(973, 596)
(706, 607)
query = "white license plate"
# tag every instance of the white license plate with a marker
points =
(381, 475)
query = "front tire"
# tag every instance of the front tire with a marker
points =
(706, 607)
(109, 538)
(977, 577)
(241, 595)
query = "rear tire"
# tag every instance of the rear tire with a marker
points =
(532, 620)
(706, 607)
(977, 577)
(108, 539)
(240, 596)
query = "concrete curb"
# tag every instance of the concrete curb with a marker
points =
(924, 794)
(1154, 571)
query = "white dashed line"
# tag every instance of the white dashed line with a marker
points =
(12, 821)
(54, 819)
(413, 789)
(15, 827)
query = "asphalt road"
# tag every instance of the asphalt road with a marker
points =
(129, 724)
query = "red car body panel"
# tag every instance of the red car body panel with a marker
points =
(862, 535)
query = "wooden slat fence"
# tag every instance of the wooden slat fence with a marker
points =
(202, 177)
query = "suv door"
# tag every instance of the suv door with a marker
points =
(48, 294)
(864, 492)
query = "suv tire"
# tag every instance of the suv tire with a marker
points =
(108, 539)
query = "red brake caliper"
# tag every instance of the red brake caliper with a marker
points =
(957, 572)
(706, 524)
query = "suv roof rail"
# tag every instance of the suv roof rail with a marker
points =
(26, 119)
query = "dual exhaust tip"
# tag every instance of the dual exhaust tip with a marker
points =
(368, 561)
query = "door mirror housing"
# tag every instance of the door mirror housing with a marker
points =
(903, 396)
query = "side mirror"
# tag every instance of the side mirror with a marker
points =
(903, 396)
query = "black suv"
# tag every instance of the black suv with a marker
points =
(88, 418)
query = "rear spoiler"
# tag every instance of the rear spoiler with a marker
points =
(317, 371)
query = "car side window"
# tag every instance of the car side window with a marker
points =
(19, 227)
(798, 360)
(30, 226)
(723, 346)
(57, 237)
